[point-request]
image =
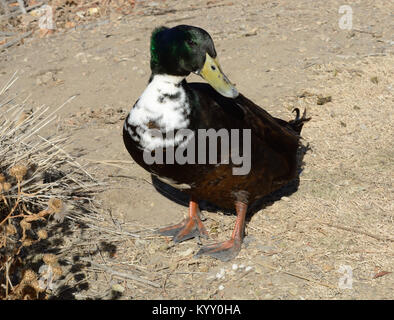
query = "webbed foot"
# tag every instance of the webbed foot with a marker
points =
(191, 227)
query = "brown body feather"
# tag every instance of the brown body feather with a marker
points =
(274, 144)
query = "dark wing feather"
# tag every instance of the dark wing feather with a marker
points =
(241, 112)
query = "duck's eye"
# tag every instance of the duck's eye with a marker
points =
(190, 42)
(213, 67)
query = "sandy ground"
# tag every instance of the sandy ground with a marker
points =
(335, 224)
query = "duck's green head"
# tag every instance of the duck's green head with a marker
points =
(185, 49)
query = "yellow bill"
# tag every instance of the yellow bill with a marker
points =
(213, 74)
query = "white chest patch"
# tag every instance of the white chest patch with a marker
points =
(162, 106)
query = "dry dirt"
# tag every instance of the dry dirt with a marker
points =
(336, 222)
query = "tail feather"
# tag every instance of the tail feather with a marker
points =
(298, 122)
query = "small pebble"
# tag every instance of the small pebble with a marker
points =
(186, 252)
(268, 296)
(220, 274)
(235, 267)
(374, 80)
(118, 288)
(221, 287)
(293, 291)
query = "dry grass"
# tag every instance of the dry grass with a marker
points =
(38, 180)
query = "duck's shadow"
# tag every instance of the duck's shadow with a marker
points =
(183, 199)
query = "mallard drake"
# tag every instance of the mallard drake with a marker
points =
(169, 105)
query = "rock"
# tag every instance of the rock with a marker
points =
(268, 296)
(323, 100)
(118, 288)
(186, 253)
(293, 291)
(374, 80)
(46, 78)
(221, 274)
(82, 57)
(250, 33)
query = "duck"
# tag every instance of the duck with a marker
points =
(207, 139)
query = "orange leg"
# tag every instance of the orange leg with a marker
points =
(229, 249)
(190, 228)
